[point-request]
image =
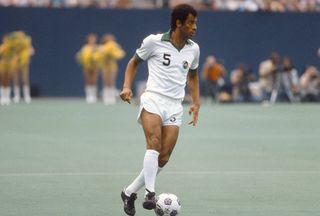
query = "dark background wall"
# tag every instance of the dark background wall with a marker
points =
(232, 37)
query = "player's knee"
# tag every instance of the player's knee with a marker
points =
(154, 142)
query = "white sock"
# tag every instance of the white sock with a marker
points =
(5, 95)
(108, 96)
(26, 94)
(1, 95)
(7, 91)
(87, 92)
(16, 93)
(150, 167)
(91, 94)
(138, 183)
(114, 92)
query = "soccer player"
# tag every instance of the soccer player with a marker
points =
(173, 59)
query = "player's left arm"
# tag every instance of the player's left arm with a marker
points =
(193, 85)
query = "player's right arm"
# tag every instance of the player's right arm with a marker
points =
(142, 54)
(126, 93)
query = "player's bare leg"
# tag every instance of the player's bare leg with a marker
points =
(169, 138)
(152, 126)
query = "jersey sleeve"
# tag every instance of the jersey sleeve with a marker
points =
(195, 62)
(146, 48)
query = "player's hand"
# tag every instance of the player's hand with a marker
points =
(194, 111)
(126, 95)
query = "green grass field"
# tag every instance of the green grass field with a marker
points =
(62, 157)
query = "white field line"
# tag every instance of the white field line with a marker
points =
(267, 172)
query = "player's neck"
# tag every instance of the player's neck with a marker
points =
(178, 39)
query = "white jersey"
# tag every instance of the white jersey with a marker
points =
(168, 67)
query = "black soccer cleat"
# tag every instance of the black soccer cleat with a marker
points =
(128, 203)
(150, 201)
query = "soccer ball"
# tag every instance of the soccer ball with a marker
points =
(167, 205)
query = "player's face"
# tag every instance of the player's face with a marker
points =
(189, 27)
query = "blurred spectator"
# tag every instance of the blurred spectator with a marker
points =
(88, 58)
(274, 6)
(213, 74)
(239, 82)
(5, 3)
(20, 72)
(267, 69)
(15, 52)
(40, 3)
(310, 85)
(308, 6)
(57, 3)
(228, 5)
(71, 3)
(286, 82)
(20, 3)
(249, 5)
(224, 5)
(198, 4)
(254, 87)
(235, 5)
(6, 57)
(111, 53)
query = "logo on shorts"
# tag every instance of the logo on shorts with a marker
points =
(185, 65)
(173, 119)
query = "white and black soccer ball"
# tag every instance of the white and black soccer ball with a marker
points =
(168, 204)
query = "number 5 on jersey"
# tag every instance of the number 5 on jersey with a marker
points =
(167, 59)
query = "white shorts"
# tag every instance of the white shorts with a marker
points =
(170, 110)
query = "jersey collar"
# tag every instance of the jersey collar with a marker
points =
(166, 37)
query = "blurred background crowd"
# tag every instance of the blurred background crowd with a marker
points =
(277, 79)
(15, 54)
(101, 58)
(233, 67)
(215, 5)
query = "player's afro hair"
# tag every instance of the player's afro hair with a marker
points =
(181, 12)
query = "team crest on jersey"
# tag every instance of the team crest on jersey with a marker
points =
(185, 65)
(173, 119)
